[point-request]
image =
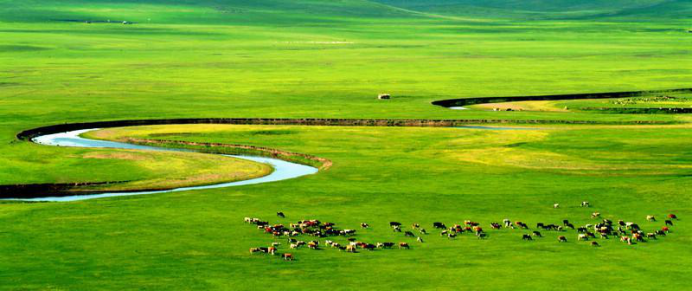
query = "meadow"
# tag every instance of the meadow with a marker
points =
(329, 59)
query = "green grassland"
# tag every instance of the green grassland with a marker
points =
(198, 239)
(330, 59)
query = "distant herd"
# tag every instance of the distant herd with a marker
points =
(628, 232)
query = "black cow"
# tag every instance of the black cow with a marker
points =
(526, 237)
(439, 225)
(387, 245)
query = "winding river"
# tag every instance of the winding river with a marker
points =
(283, 170)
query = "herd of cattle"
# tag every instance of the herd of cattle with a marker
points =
(628, 232)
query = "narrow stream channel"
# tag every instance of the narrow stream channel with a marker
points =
(283, 170)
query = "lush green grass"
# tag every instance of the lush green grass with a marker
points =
(309, 58)
(198, 239)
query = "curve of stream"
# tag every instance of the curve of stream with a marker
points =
(283, 170)
(458, 104)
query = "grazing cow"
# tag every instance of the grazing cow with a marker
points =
(248, 220)
(526, 237)
(495, 225)
(419, 239)
(585, 204)
(626, 239)
(565, 222)
(665, 229)
(651, 235)
(650, 218)
(471, 223)
(443, 233)
(451, 235)
(369, 247)
(439, 225)
(387, 245)
(336, 245)
(280, 214)
(582, 237)
(669, 222)
(540, 225)
(396, 228)
(254, 250)
(403, 245)
(351, 248)
(551, 227)
(660, 232)
(272, 250)
(313, 245)
(569, 225)
(537, 233)
(423, 231)
(409, 233)
(506, 222)
(556, 205)
(276, 244)
(287, 257)
(522, 225)
(415, 226)
(562, 238)
(638, 237)
(394, 223)
(364, 225)
(595, 215)
(581, 229)
(595, 244)
(672, 216)
(481, 235)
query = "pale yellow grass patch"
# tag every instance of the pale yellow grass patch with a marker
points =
(115, 156)
(522, 105)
